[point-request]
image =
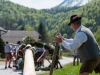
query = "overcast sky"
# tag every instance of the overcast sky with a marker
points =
(38, 4)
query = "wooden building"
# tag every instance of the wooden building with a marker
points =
(14, 35)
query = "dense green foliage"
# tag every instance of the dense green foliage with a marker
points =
(29, 40)
(61, 9)
(2, 44)
(15, 17)
(43, 32)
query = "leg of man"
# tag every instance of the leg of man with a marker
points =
(10, 63)
(97, 69)
(5, 64)
(18, 62)
(90, 65)
(77, 60)
(6, 60)
(60, 64)
(74, 58)
(9, 59)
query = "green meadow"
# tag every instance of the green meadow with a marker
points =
(68, 69)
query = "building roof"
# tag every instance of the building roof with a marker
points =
(13, 36)
(2, 31)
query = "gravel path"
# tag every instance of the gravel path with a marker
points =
(12, 71)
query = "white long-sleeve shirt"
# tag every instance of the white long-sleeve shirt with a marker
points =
(17, 48)
(74, 44)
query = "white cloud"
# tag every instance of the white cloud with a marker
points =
(38, 4)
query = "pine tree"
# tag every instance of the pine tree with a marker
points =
(42, 31)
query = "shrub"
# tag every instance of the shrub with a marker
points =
(2, 44)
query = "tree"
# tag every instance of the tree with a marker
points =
(2, 44)
(22, 28)
(29, 40)
(97, 35)
(42, 31)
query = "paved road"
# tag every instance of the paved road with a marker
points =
(13, 71)
(63, 61)
(8, 71)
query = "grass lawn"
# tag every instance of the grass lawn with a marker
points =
(1, 59)
(68, 69)
(67, 54)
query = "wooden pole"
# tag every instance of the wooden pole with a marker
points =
(29, 68)
(53, 60)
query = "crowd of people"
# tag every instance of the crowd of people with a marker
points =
(84, 43)
(13, 54)
(41, 54)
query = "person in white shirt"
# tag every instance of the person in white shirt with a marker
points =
(8, 49)
(75, 55)
(86, 44)
(53, 45)
(17, 47)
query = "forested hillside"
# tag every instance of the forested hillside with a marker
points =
(14, 16)
(61, 9)
(90, 18)
(17, 17)
(90, 14)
